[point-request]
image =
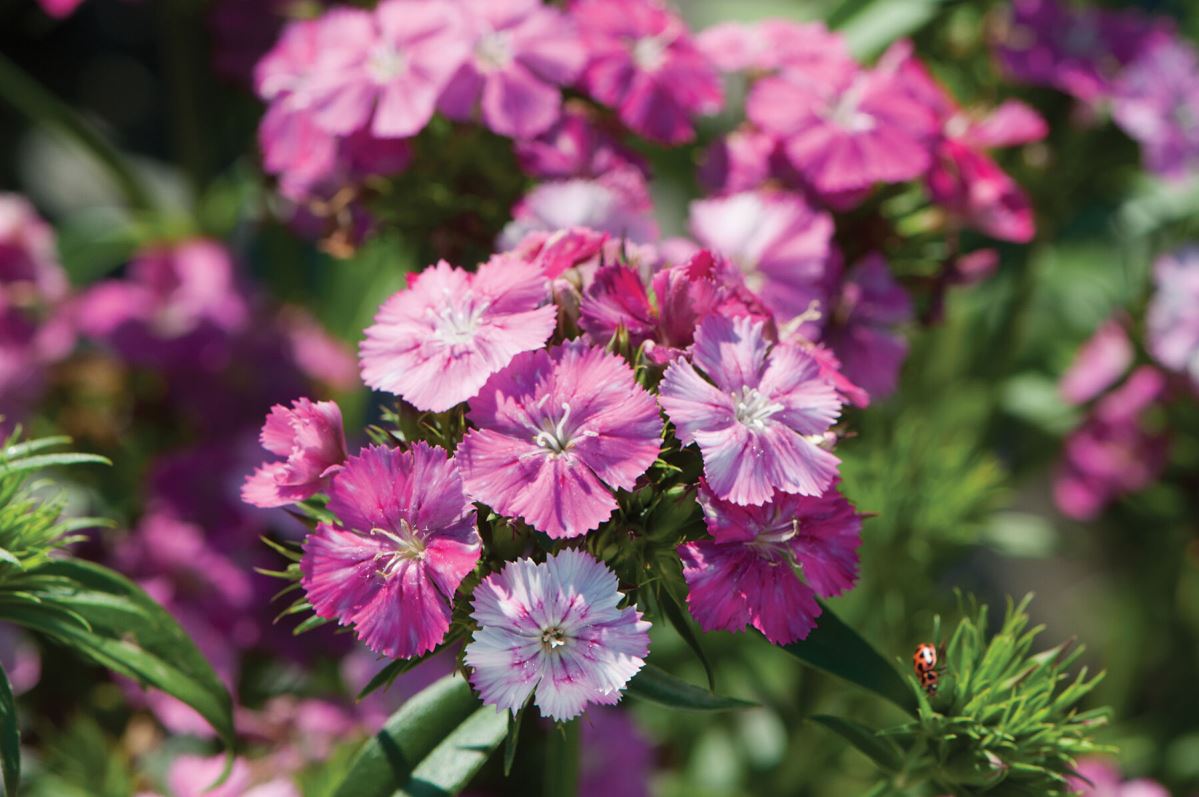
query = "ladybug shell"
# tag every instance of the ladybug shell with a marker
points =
(925, 658)
(929, 680)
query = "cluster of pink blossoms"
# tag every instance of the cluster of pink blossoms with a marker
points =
(565, 391)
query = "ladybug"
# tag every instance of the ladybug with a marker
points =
(925, 662)
(928, 680)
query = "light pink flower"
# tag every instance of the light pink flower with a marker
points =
(1099, 777)
(743, 160)
(1156, 102)
(522, 51)
(764, 566)
(806, 47)
(579, 144)
(59, 8)
(437, 342)
(1173, 317)
(846, 134)
(556, 629)
(310, 438)
(1099, 364)
(643, 62)
(556, 431)
(405, 541)
(760, 419)
(385, 68)
(618, 203)
(782, 244)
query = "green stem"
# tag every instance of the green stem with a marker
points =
(562, 761)
(27, 96)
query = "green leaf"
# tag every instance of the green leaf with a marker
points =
(126, 632)
(882, 751)
(49, 461)
(10, 737)
(658, 686)
(513, 736)
(562, 761)
(448, 769)
(836, 648)
(673, 610)
(869, 27)
(389, 760)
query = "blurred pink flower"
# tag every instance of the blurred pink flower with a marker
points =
(1099, 364)
(576, 145)
(405, 541)
(192, 775)
(761, 419)
(310, 438)
(1098, 777)
(806, 47)
(1156, 102)
(1173, 317)
(617, 203)
(557, 430)
(19, 659)
(59, 8)
(643, 62)
(436, 343)
(522, 51)
(616, 758)
(765, 565)
(554, 628)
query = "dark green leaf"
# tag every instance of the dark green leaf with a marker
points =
(837, 649)
(658, 686)
(448, 769)
(388, 760)
(673, 610)
(10, 737)
(514, 722)
(879, 749)
(384, 677)
(562, 761)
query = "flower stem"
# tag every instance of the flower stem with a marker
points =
(562, 761)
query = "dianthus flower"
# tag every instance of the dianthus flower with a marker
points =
(557, 430)
(406, 539)
(576, 146)
(782, 244)
(1097, 777)
(1173, 318)
(310, 438)
(1156, 102)
(437, 342)
(617, 202)
(554, 628)
(806, 47)
(764, 566)
(760, 420)
(1100, 362)
(522, 51)
(643, 62)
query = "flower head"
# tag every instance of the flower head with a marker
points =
(406, 539)
(1099, 364)
(1156, 102)
(765, 565)
(1173, 319)
(761, 418)
(618, 202)
(1098, 777)
(577, 145)
(437, 342)
(554, 628)
(556, 431)
(310, 438)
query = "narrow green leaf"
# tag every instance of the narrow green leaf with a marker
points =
(17, 450)
(386, 676)
(837, 649)
(658, 686)
(449, 768)
(870, 26)
(882, 751)
(510, 741)
(387, 760)
(48, 461)
(10, 737)
(674, 612)
(562, 761)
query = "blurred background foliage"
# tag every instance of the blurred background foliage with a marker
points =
(955, 468)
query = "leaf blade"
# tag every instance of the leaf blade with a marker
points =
(655, 685)
(880, 750)
(10, 737)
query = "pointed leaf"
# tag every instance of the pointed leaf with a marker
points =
(510, 741)
(48, 461)
(658, 686)
(448, 769)
(882, 751)
(673, 610)
(10, 737)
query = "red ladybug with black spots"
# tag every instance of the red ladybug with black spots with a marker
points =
(925, 662)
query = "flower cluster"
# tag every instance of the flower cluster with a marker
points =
(564, 393)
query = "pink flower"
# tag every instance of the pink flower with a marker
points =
(618, 203)
(521, 52)
(577, 145)
(760, 420)
(556, 629)
(764, 566)
(847, 132)
(779, 241)
(1099, 364)
(557, 430)
(386, 68)
(1101, 778)
(59, 9)
(437, 342)
(310, 438)
(861, 329)
(643, 63)
(1156, 102)
(775, 43)
(406, 540)
(1173, 318)
(741, 161)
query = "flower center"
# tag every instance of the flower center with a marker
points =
(649, 53)
(752, 408)
(408, 546)
(554, 434)
(386, 63)
(456, 322)
(845, 114)
(494, 51)
(553, 638)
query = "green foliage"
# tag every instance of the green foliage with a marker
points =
(10, 737)
(658, 686)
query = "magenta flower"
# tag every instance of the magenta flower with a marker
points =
(760, 420)
(861, 329)
(764, 566)
(386, 68)
(310, 438)
(437, 342)
(1173, 318)
(577, 145)
(643, 62)
(1099, 364)
(522, 51)
(556, 431)
(1098, 777)
(556, 629)
(406, 539)
(1156, 102)
(59, 9)
(778, 240)
(848, 133)
(771, 44)
(618, 203)
(741, 161)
